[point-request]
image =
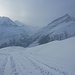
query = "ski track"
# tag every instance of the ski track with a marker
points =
(53, 68)
(15, 70)
(17, 63)
(39, 66)
(3, 64)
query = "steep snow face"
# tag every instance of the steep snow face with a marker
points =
(59, 29)
(55, 58)
(12, 34)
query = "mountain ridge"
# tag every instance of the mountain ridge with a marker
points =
(19, 34)
(13, 34)
(49, 32)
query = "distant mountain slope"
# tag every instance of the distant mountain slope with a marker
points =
(59, 29)
(30, 29)
(12, 34)
(6, 22)
(19, 34)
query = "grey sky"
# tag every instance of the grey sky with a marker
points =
(36, 12)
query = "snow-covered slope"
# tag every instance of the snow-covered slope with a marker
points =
(13, 34)
(59, 29)
(55, 58)
(56, 54)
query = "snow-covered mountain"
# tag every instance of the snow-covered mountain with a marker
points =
(6, 22)
(20, 34)
(30, 29)
(54, 58)
(59, 29)
(12, 33)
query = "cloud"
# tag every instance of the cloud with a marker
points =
(36, 12)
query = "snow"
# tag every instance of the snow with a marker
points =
(55, 58)
(9, 33)
(60, 53)
(30, 29)
(6, 20)
(56, 27)
(65, 18)
(7, 30)
(10, 30)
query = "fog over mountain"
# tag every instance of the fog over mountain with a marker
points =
(19, 34)
(59, 29)
(36, 12)
(14, 33)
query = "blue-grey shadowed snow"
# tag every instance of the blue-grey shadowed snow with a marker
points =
(36, 12)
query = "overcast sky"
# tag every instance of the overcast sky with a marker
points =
(36, 12)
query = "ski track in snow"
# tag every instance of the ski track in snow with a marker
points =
(53, 68)
(17, 63)
(3, 64)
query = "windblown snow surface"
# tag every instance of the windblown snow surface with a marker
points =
(55, 58)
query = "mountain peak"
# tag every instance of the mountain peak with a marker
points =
(6, 21)
(3, 18)
(69, 18)
(67, 15)
(65, 18)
